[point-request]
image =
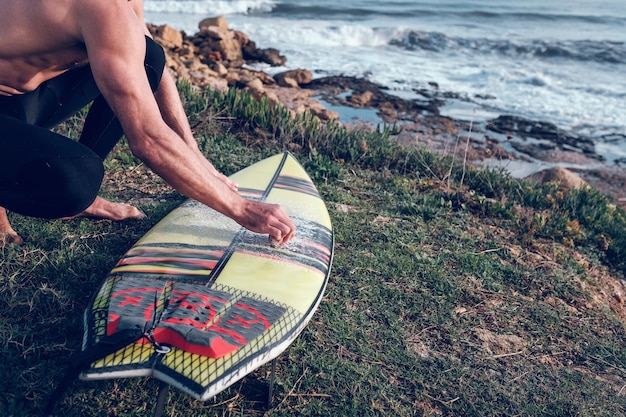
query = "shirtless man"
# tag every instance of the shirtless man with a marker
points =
(56, 57)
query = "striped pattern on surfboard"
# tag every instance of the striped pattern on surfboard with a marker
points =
(219, 296)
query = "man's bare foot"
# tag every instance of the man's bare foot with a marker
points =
(7, 234)
(9, 237)
(105, 209)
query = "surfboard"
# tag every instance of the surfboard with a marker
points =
(210, 300)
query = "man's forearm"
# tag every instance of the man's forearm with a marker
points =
(172, 110)
(170, 105)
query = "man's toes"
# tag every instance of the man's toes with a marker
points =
(7, 238)
(135, 213)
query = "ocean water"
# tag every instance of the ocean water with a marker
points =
(561, 61)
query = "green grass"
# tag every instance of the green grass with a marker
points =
(454, 291)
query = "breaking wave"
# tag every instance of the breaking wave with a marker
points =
(209, 7)
(576, 50)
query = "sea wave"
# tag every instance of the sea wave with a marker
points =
(575, 50)
(321, 34)
(342, 11)
(360, 10)
(539, 18)
(209, 7)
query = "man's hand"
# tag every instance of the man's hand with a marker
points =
(269, 219)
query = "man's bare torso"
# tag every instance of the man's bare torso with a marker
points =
(40, 39)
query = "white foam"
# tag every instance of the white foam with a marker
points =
(208, 7)
(316, 33)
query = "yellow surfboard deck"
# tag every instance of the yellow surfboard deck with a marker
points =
(213, 300)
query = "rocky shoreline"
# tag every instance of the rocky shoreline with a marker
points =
(220, 58)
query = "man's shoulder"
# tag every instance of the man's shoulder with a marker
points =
(68, 13)
(18, 11)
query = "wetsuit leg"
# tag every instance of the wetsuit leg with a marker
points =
(44, 174)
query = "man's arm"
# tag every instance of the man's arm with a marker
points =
(173, 114)
(114, 38)
(172, 111)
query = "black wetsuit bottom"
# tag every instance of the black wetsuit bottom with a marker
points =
(44, 174)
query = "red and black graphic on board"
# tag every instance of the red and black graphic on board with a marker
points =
(171, 258)
(193, 318)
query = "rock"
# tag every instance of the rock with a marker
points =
(564, 177)
(216, 33)
(273, 57)
(209, 55)
(220, 69)
(232, 78)
(299, 101)
(168, 37)
(222, 40)
(549, 132)
(245, 73)
(294, 78)
(361, 99)
(286, 81)
(241, 37)
(255, 87)
(269, 56)
(217, 84)
(218, 21)
(235, 64)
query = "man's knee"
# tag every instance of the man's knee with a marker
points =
(61, 187)
(154, 63)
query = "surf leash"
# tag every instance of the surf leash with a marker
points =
(148, 331)
(83, 359)
(107, 346)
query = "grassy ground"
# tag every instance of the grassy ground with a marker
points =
(454, 291)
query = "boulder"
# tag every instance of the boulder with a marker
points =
(255, 87)
(220, 69)
(564, 177)
(215, 58)
(168, 37)
(269, 56)
(363, 99)
(218, 21)
(218, 84)
(294, 78)
(223, 41)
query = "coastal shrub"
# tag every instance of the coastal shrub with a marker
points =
(305, 133)
(604, 222)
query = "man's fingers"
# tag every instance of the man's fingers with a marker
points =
(282, 234)
(270, 219)
(290, 235)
